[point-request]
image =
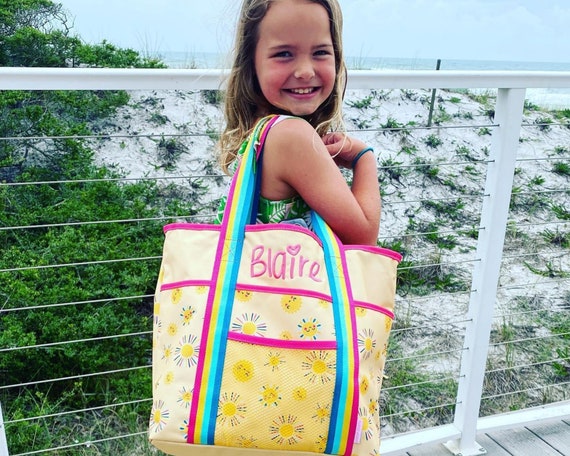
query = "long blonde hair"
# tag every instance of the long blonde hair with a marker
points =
(244, 98)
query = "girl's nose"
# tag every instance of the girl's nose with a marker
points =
(304, 70)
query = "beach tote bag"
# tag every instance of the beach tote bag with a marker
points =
(268, 338)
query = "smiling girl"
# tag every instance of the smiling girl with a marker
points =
(289, 61)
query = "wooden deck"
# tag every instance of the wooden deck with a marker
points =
(544, 439)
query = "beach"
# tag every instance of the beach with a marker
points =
(432, 182)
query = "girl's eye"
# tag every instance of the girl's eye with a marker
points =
(283, 54)
(322, 52)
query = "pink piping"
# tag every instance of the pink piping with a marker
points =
(281, 343)
(374, 307)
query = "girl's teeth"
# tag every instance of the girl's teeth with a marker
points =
(302, 91)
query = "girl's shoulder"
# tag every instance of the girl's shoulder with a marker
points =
(292, 122)
(288, 130)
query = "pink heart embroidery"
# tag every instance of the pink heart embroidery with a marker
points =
(293, 249)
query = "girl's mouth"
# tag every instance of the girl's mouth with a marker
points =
(304, 91)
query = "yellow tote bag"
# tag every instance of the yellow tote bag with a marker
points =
(268, 338)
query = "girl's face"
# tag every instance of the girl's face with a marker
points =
(294, 56)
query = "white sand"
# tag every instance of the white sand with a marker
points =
(437, 316)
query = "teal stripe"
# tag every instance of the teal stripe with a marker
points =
(241, 199)
(340, 396)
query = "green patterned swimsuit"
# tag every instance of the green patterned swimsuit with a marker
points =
(293, 210)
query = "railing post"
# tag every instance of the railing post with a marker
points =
(433, 91)
(3, 441)
(498, 187)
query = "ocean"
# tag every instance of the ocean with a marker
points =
(546, 98)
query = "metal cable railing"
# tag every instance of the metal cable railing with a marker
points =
(437, 322)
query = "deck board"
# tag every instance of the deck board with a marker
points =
(428, 450)
(522, 441)
(493, 448)
(542, 439)
(556, 434)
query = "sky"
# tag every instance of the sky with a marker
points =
(499, 30)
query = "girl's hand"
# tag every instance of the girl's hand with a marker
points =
(342, 148)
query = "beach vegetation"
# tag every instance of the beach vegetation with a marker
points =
(409, 149)
(466, 153)
(442, 241)
(561, 168)
(488, 112)
(561, 366)
(529, 201)
(484, 131)
(557, 237)
(408, 94)
(562, 150)
(362, 124)
(407, 387)
(549, 270)
(471, 170)
(427, 168)
(455, 100)
(560, 211)
(441, 116)
(486, 98)
(433, 141)
(468, 115)
(392, 126)
(563, 115)
(453, 209)
(529, 106)
(158, 119)
(543, 123)
(169, 151)
(363, 103)
(537, 181)
(91, 235)
(393, 169)
(213, 97)
(212, 131)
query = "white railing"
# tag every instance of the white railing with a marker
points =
(460, 435)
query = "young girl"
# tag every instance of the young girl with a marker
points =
(289, 61)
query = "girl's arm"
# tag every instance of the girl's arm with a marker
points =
(296, 161)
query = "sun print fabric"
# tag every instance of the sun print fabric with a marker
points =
(275, 343)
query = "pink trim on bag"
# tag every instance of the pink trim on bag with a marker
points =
(284, 291)
(378, 250)
(194, 411)
(374, 307)
(287, 227)
(356, 375)
(245, 287)
(185, 283)
(282, 226)
(190, 226)
(281, 343)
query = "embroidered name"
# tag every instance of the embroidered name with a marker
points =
(283, 264)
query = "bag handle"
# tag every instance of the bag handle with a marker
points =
(240, 209)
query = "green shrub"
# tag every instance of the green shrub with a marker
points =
(543, 123)
(213, 97)
(363, 103)
(433, 141)
(561, 168)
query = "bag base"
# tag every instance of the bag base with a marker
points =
(214, 450)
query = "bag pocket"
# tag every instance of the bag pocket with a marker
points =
(276, 394)
(374, 324)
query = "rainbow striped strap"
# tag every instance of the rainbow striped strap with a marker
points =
(207, 384)
(344, 410)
